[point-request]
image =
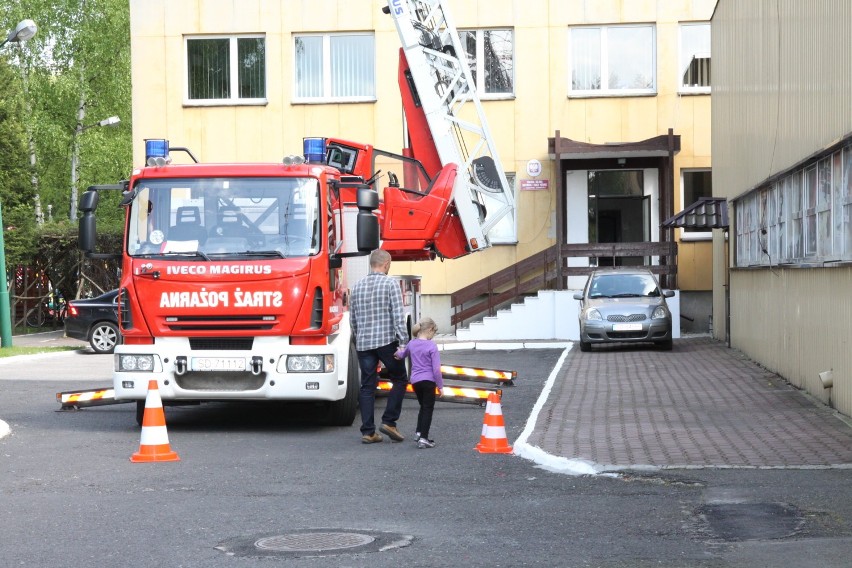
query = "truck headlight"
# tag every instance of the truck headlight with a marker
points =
(134, 363)
(309, 363)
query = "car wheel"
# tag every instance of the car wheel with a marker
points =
(585, 346)
(665, 345)
(103, 337)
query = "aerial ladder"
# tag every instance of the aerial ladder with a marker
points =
(445, 120)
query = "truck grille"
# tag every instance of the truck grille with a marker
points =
(234, 382)
(221, 343)
(220, 323)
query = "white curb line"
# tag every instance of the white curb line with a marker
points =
(546, 461)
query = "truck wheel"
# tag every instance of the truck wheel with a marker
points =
(342, 412)
(140, 411)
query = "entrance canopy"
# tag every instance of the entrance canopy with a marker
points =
(706, 213)
(662, 146)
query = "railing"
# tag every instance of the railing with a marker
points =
(539, 271)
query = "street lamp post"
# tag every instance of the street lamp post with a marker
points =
(24, 31)
(75, 156)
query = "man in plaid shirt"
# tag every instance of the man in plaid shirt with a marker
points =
(378, 321)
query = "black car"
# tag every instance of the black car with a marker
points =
(95, 320)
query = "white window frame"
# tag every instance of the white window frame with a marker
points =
(233, 54)
(825, 216)
(326, 96)
(480, 63)
(843, 205)
(692, 235)
(809, 211)
(605, 91)
(689, 89)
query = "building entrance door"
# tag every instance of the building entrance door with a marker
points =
(619, 211)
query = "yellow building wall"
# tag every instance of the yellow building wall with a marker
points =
(520, 126)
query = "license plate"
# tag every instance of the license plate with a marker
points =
(218, 364)
(627, 327)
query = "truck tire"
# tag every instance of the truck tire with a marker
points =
(342, 412)
(140, 411)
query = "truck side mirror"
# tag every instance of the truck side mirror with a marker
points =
(87, 229)
(367, 227)
(367, 198)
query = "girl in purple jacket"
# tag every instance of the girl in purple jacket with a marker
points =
(425, 375)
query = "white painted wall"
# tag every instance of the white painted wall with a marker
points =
(549, 315)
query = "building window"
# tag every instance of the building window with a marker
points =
(695, 184)
(843, 204)
(613, 60)
(230, 70)
(491, 57)
(505, 231)
(804, 218)
(810, 194)
(335, 68)
(694, 68)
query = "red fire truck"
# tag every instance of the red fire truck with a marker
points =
(235, 276)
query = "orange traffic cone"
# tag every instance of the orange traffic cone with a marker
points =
(493, 440)
(154, 446)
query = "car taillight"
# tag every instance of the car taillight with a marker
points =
(72, 310)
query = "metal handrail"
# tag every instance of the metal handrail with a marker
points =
(540, 271)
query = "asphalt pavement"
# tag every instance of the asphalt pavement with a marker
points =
(701, 405)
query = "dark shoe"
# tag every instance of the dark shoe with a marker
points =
(373, 438)
(391, 432)
(424, 443)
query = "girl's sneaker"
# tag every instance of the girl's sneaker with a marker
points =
(424, 443)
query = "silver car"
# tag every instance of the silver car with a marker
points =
(624, 305)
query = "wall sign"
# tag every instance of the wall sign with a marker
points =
(533, 168)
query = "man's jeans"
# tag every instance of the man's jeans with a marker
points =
(369, 363)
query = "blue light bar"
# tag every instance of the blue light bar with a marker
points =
(156, 148)
(314, 150)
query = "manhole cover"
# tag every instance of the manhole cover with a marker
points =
(315, 542)
(751, 521)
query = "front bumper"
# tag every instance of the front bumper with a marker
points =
(173, 354)
(603, 332)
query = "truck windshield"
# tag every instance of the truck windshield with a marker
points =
(208, 218)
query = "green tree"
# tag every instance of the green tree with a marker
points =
(15, 189)
(76, 72)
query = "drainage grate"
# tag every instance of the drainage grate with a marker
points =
(315, 542)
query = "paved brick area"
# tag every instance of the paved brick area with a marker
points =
(700, 405)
